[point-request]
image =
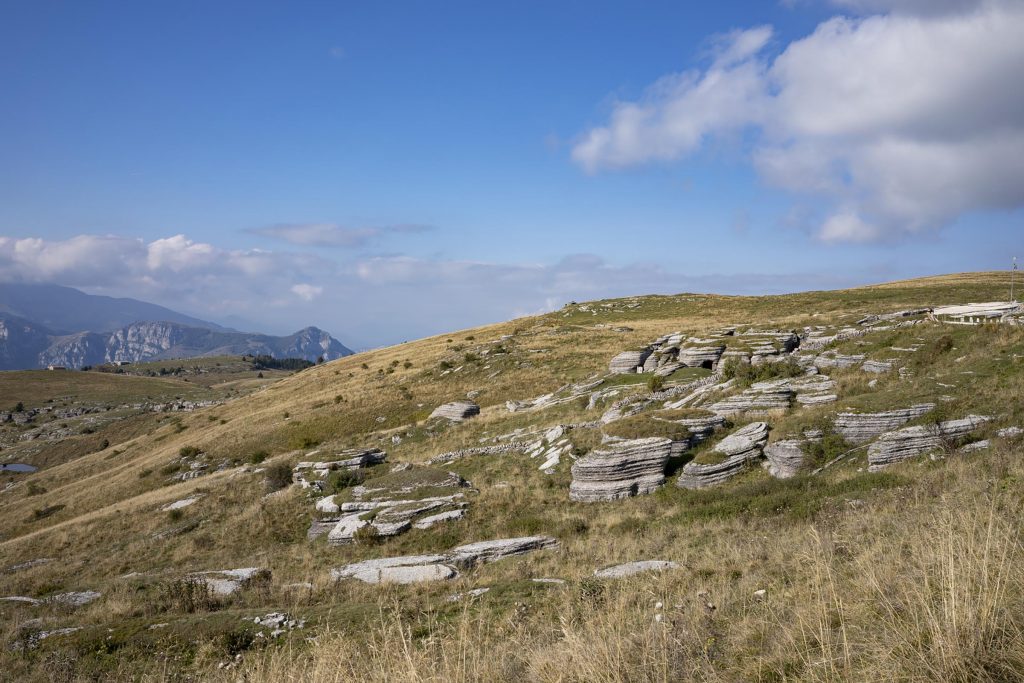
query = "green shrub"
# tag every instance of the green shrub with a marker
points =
(367, 535)
(278, 477)
(258, 457)
(188, 595)
(655, 383)
(340, 480)
(189, 451)
(746, 374)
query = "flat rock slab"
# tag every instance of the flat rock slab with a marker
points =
(421, 568)
(75, 598)
(179, 504)
(631, 568)
(456, 411)
(430, 521)
(491, 551)
(20, 598)
(228, 581)
(404, 570)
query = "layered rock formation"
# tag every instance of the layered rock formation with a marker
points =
(910, 442)
(862, 427)
(623, 469)
(484, 552)
(309, 473)
(736, 450)
(831, 359)
(785, 458)
(628, 361)
(762, 399)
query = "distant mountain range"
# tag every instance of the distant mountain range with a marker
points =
(44, 325)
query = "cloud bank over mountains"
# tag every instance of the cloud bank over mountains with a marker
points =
(892, 125)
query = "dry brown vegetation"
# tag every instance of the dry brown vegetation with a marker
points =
(913, 574)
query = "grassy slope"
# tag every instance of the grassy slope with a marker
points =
(756, 533)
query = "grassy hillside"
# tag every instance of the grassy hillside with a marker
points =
(912, 573)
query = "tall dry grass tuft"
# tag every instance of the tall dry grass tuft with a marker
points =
(819, 633)
(958, 614)
(393, 650)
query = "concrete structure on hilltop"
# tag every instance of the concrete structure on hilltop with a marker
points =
(978, 313)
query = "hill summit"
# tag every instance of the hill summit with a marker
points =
(815, 486)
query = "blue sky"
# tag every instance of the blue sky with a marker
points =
(390, 170)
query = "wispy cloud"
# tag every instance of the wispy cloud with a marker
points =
(334, 235)
(896, 123)
(373, 299)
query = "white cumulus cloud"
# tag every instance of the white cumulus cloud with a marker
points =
(900, 121)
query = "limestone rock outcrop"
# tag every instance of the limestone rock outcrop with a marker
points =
(620, 470)
(309, 473)
(628, 361)
(484, 552)
(785, 458)
(632, 568)
(228, 581)
(421, 568)
(831, 359)
(862, 427)
(736, 451)
(758, 400)
(403, 570)
(876, 366)
(456, 411)
(910, 442)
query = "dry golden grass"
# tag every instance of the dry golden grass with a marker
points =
(912, 576)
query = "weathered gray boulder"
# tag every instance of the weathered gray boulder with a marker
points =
(620, 470)
(701, 356)
(456, 411)
(736, 451)
(785, 458)
(484, 552)
(631, 568)
(910, 442)
(862, 427)
(628, 361)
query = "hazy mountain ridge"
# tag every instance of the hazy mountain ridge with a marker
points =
(166, 340)
(65, 310)
(35, 332)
